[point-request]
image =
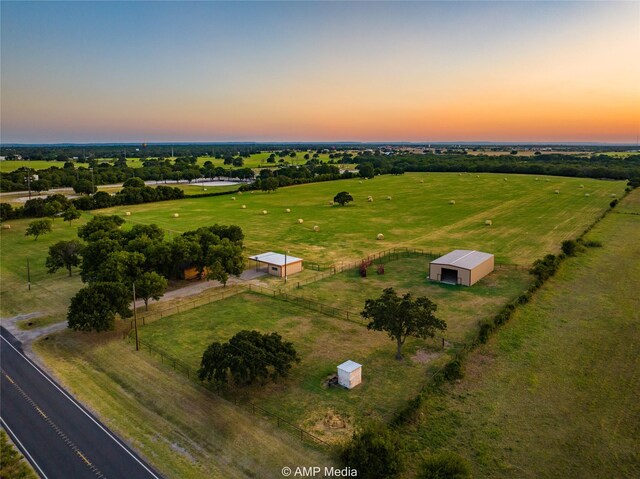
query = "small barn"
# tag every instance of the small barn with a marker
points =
(461, 267)
(349, 374)
(277, 264)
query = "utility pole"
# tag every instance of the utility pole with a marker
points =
(285, 266)
(28, 275)
(92, 185)
(29, 180)
(135, 317)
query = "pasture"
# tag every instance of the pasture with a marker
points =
(554, 392)
(322, 342)
(529, 219)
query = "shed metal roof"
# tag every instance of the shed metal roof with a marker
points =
(463, 258)
(275, 258)
(349, 366)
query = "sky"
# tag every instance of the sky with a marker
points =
(319, 71)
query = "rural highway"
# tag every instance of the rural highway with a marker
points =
(58, 436)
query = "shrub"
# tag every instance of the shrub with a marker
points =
(453, 370)
(613, 203)
(546, 267)
(569, 247)
(374, 452)
(445, 465)
(486, 327)
(592, 244)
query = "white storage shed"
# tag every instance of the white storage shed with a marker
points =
(349, 374)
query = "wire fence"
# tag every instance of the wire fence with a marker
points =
(255, 409)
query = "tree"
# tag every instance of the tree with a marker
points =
(100, 226)
(95, 306)
(569, 247)
(342, 198)
(63, 254)
(71, 214)
(40, 185)
(374, 452)
(133, 182)
(248, 356)
(224, 259)
(269, 184)
(402, 317)
(84, 187)
(150, 285)
(52, 209)
(366, 170)
(445, 465)
(122, 267)
(38, 227)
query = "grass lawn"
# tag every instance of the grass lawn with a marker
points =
(50, 293)
(37, 323)
(555, 392)
(322, 342)
(183, 430)
(529, 219)
(460, 306)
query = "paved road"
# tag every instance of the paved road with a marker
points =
(59, 437)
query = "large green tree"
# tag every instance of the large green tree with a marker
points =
(122, 267)
(343, 198)
(38, 227)
(71, 214)
(247, 357)
(95, 306)
(223, 259)
(101, 226)
(64, 254)
(150, 286)
(402, 317)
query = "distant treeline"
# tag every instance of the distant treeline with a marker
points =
(597, 166)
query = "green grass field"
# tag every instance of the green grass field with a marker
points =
(529, 219)
(461, 307)
(183, 430)
(50, 293)
(554, 392)
(323, 342)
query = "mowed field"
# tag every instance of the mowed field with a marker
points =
(555, 392)
(529, 219)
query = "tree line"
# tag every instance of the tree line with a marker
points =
(112, 262)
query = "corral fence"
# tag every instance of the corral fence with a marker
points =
(249, 407)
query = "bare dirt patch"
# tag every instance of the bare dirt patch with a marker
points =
(423, 356)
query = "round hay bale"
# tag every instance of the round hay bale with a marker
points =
(264, 212)
(330, 203)
(316, 228)
(459, 174)
(587, 194)
(488, 222)
(244, 207)
(369, 199)
(613, 195)
(6, 227)
(505, 179)
(233, 198)
(477, 176)
(288, 210)
(452, 202)
(360, 181)
(204, 189)
(300, 220)
(176, 215)
(239, 192)
(421, 181)
(547, 179)
(581, 186)
(379, 236)
(557, 192)
(127, 213)
(536, 179)
(388, 197)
